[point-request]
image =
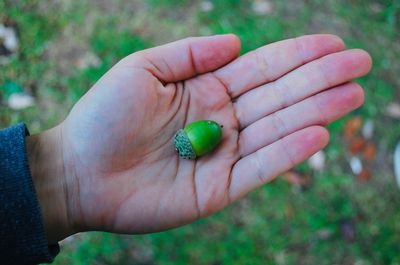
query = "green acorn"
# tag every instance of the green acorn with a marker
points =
(197, 139)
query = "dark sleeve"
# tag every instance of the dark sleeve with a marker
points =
(22, 236)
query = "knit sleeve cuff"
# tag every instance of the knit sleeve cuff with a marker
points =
(22, 235)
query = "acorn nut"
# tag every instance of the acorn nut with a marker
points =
(197, 139)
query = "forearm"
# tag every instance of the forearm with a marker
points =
(47, 169)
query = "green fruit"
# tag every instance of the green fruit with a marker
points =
(197, 139)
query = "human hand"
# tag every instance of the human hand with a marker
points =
(112, 162)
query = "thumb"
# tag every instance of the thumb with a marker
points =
(186, 58)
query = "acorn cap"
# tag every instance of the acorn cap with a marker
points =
(183, 145)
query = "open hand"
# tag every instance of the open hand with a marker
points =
(120, 171)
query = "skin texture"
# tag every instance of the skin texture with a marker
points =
(111, 164)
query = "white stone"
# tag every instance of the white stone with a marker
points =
(18, 101)
(9, 37)
(368, 129)
(262, 7)
(317, 161)
(206, 6)
(393, 110)
(356, 165)
(89, 59)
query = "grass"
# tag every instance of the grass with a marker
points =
(336, 220)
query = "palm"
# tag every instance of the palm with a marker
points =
(119, 138)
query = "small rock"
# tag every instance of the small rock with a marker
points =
(393, 110)
(317, 161)
(262, 7)
(376, 8)
(368, 129)
(89, 59)
(9, 38)
(206, 6)
(324, 234)
(356, 165)
(20, 101)
(8, 43)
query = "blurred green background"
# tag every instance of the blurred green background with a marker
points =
(313, 216)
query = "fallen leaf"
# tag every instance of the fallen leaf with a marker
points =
(297, 179)
(352, 126)
(356, 145)
(364, 175)
(369, 152)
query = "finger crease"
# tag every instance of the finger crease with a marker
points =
(324, 75)
(260, 176)
(322, 117)
(279, 125)
(283, 100)
(285, 148)
(169, 69)
(300, 50)
(191, 59)
(160, 72)
(263, 65)
(228, 188)
(226, 86)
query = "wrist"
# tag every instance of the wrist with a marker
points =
(47, 169)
